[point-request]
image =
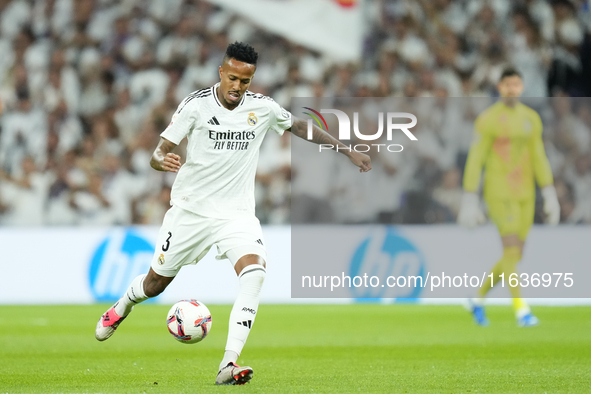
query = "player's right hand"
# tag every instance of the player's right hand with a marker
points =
(551, 205)
(470, 213)
(171, 162)
(361, 160)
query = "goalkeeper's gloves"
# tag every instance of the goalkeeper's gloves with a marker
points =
(551, 205)
(470, 213)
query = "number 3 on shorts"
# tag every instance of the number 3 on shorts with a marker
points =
(167, 244)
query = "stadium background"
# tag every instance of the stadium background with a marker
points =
(87, 86)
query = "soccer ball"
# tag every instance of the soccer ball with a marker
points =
(189, 321)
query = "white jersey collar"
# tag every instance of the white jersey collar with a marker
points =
(215, 97)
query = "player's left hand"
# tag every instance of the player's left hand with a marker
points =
(551, 205)
(470, 214)
(361, 160)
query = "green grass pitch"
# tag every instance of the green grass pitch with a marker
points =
(364, 348)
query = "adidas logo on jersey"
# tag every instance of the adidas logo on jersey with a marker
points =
(258, 241)
(246, 323)
(214, 121)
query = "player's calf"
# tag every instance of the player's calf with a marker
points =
(154, 284)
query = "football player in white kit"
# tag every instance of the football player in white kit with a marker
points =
(213, 196)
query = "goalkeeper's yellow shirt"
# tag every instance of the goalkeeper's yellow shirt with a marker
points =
(508, 143)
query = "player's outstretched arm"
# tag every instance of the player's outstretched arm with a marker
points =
(319, 136)
(163, 159)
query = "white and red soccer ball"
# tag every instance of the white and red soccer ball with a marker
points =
(189, 321)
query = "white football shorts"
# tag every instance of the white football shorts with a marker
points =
(185, 238)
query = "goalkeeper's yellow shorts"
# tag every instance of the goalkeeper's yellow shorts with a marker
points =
(512, 216)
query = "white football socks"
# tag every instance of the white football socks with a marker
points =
(244, 311)
(134, 295)
(229, 357)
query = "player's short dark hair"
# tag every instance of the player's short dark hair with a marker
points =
(510, 71)
(242, 52)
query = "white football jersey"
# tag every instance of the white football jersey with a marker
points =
(217, 179)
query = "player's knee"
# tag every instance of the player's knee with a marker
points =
(153, 289)
(254, 259)
(254, 266)
(512, 254)
(249, 260)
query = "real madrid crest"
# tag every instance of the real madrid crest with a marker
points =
(161, 259)
(252, 120)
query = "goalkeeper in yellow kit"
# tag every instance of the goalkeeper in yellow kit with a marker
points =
(508, 143)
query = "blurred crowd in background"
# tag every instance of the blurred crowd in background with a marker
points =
(86, 87)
